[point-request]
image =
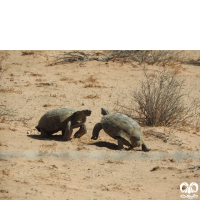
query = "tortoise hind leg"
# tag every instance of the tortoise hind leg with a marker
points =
(145, 148)
(96, 130)
(82, 131)
(68, 132)
(43, 133)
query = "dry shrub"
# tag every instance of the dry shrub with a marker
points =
(161, 100)
(151, 57)
(157, 57)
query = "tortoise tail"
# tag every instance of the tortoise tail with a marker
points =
(37, 128)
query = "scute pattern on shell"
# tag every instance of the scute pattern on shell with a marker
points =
(52, 119)
(120, 125)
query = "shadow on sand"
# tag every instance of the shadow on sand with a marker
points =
(52, 137)
(105, 144)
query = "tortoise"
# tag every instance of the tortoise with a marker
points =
(65, 120)
(122, 128)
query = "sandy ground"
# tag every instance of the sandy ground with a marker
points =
(36, 168)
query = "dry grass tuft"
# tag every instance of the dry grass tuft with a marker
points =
(5, 172)
(92, 82)
(92, 96)
(90, 85)
(3, 144)
(67, 79)
(53, 95)
(4, 191)
(10, 90)
(92, 79)
(36, 74)
(25, 53)
(3, 118)
(115, 161)
(59, 73)
(40, 80)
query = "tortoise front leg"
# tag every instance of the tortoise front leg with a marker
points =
(68, 132)
(96, 130)
(82, 131)
(120, 144)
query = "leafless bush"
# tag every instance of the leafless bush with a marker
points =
(162, 100)
(11, 114)
(158, 57)
(4, 111)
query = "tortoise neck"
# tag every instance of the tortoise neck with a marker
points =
(79, 117)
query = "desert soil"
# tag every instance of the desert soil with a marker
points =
(36, 168)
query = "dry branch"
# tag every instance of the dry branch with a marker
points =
(196, 168)
(162, 58)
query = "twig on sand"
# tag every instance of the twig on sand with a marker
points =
(196, 168)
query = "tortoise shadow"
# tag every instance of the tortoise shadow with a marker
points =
(52, 137)
(111, 146)
(108, 145)
(194, 62)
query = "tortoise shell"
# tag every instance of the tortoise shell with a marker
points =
(54, 120)
(119, 125)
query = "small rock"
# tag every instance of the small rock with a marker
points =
(28, 132)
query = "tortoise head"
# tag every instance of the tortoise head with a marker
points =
(105, 111)
(86, 112)
(79, 115)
